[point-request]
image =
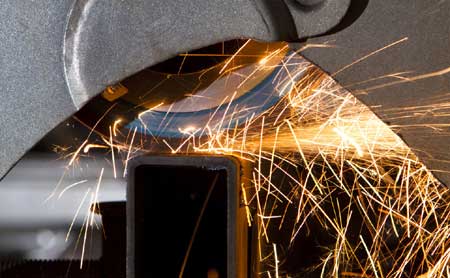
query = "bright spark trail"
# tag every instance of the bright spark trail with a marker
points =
(342, 168)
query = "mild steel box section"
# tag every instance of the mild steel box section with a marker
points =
(184, 215)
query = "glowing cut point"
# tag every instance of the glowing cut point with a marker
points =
(187, 130)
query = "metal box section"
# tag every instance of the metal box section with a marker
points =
(185, 218)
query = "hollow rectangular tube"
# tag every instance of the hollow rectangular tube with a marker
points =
(151, 172)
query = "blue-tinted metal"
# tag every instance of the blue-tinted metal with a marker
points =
(226, 116)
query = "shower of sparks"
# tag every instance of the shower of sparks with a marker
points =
(340, 168)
